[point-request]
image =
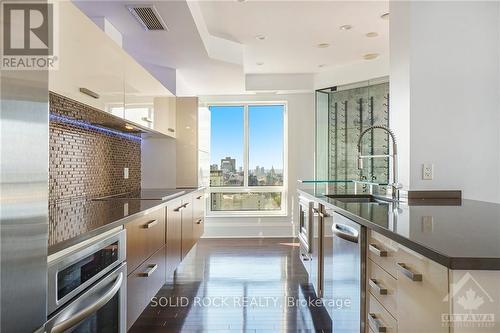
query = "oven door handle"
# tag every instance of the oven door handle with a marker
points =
(86, 312)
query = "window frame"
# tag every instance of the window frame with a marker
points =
(283, 189)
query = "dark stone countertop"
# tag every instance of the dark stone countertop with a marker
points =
(463, 234)
(72, 221)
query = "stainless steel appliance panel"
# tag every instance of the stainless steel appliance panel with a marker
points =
(316, 273)
(75, 271)
(24, 133)
(348, 267)
(100, 309)
(305, 223)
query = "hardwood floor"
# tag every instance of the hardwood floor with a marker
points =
(237, 285)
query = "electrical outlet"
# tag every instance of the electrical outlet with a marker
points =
(125, 173)
(427, 171)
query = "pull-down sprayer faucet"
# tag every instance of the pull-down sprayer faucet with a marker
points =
(395, 185)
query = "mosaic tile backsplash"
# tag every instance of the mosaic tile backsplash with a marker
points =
(86, 162)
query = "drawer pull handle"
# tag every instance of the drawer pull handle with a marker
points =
(150, 270)
(304, 257)
(199, 197)
(178, 209)
(146, 119)
(376, 323)
(375, 285)
(199, 221)
(171, 130)
(374, 249)
(151, 224)
(320, 213)
(409, 274)
(186, 204)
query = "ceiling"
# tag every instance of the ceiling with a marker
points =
(292, 31)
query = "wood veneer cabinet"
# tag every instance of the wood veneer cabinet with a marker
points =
(174, 235)
(145, 236)
(406, 291)
(187, 227)
(143, 283)
(198, 214)
(156, 244)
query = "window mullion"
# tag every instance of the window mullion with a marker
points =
(245, 146)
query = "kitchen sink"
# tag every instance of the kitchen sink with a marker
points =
(359, 198)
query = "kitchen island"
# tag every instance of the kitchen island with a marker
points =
(426, 266)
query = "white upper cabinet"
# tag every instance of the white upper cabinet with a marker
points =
(88, 59)
(164, 114)
(147, 101)
(91, 61)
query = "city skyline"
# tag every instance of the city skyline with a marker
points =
(226, 174)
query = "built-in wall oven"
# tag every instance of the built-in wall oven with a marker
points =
(87, 287)
(306, 216)
(310, 238)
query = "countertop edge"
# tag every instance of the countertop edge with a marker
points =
(52, 249)
(453, 263)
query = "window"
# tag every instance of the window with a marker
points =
(248, 169)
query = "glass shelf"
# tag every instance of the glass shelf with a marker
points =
(333, 181)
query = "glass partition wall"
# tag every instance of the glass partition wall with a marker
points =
(342, 114)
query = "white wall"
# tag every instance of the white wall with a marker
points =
(355, 72)
(399, 32)
(300, 166)
(445, 94)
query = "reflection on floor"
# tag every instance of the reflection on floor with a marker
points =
(237, 285)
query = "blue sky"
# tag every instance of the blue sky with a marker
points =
(265, 137)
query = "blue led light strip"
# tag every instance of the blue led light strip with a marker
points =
(84, 125)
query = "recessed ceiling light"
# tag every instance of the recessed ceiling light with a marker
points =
(260, 63)
(371, 34)
(323, 45)
(370, 56)
(260, 37)
(241, 0)
(129, 127)
(345, 27)
(384, 16)
(321, 65)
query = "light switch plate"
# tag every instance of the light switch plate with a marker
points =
(125, 173)
(427, 171)
(427, 223)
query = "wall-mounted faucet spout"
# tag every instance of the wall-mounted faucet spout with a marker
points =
(395, 185)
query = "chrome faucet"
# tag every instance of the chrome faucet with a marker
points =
(395, 185)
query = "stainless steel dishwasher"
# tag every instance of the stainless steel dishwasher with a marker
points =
(344, 273)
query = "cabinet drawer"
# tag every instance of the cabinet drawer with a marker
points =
(143, 284)
(198, 205)
(378, 319)
(382, 251)
(383, 287)
(422, 286)
(187, 240)
(198, 228)
(145, 236)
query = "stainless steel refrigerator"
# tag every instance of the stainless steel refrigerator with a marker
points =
(24, 199)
